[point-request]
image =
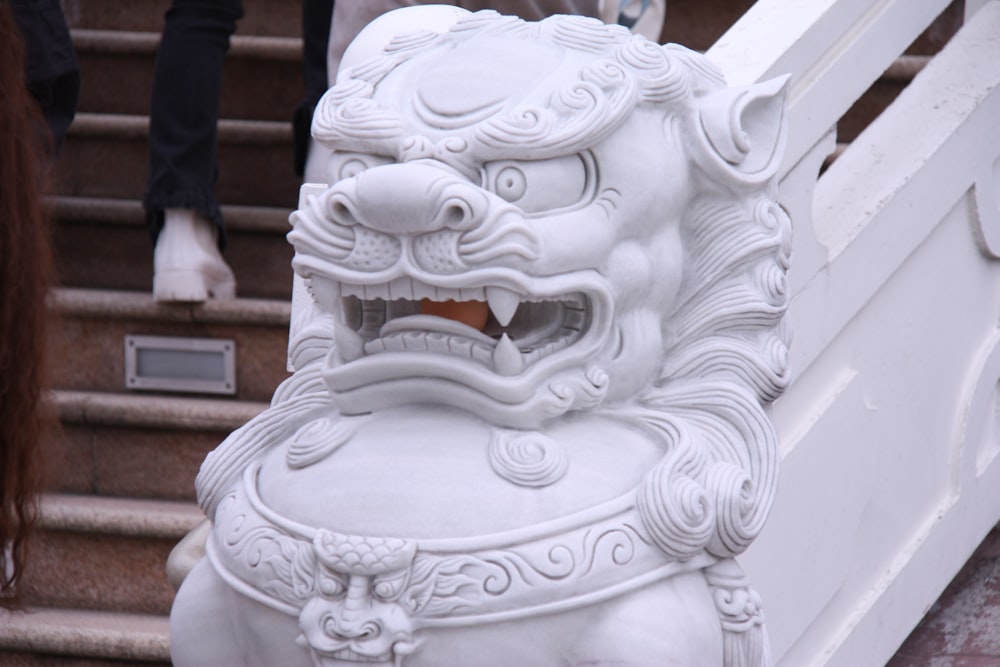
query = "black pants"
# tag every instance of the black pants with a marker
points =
(184, 114)
(52, 72)
(316, 15)
(185, 106)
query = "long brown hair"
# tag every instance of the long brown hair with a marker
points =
(25, 270)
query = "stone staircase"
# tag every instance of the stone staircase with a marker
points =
(121, 471)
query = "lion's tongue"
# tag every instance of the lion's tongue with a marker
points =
(470, 313)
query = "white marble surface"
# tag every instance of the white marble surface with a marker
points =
(527, 423)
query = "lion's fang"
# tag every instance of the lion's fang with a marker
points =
(503, 304)
(507, 358)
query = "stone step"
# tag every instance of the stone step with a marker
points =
(104, 243)
(262, 77)
(262, 17)
(105, 554)
(107, 155)
(88, 337)
(42, 637)
(120, 445)
(128, 212)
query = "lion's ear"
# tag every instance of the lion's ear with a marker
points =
(744, 129)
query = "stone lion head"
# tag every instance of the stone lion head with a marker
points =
(552, 184)
(530, 219)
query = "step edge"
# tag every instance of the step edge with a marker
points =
(86, 633)
(122, 304)
(124, 517)
(93, 40)
(129, 212)
(134, 126)
(152, 411)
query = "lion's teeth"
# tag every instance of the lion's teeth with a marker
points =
(375, 292)
(507, 358)
(461, 347)
(503, 304)
(400, 288)
(471, 294)
(348, 289)
(443, 294)
(482, 354)
(423, 291)
(437, 342)
(349, 344)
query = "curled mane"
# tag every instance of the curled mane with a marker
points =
(725, 362)
(624, 70)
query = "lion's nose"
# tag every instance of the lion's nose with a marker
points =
(410, 198)
(363, 631)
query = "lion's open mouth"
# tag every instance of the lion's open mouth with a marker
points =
(513, 332)
(348, 655)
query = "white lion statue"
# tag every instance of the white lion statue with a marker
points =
(528, 421)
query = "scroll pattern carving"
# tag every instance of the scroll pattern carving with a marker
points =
(528, 459)
(438, 582)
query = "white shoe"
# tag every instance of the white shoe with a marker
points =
(187, 264)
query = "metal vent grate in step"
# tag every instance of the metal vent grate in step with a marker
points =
(180, 364)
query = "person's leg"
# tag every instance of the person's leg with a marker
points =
(181, 209)
(58, 99)
(316, 17)
(51, 69)
(346, 20)
(184, 114)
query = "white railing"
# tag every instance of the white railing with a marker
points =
(889, 429)
(834, 50)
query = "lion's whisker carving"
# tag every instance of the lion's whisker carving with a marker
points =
(529, 422)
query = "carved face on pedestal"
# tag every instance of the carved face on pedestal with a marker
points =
(527, 186)
(355, 616)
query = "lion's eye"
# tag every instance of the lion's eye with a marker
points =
(344, 164)
(384, 590)
(388, 587)
(539, 186)
(510, 183)
(331, 585)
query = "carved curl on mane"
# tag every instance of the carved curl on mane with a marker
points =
(726, 361)
(629, 70)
